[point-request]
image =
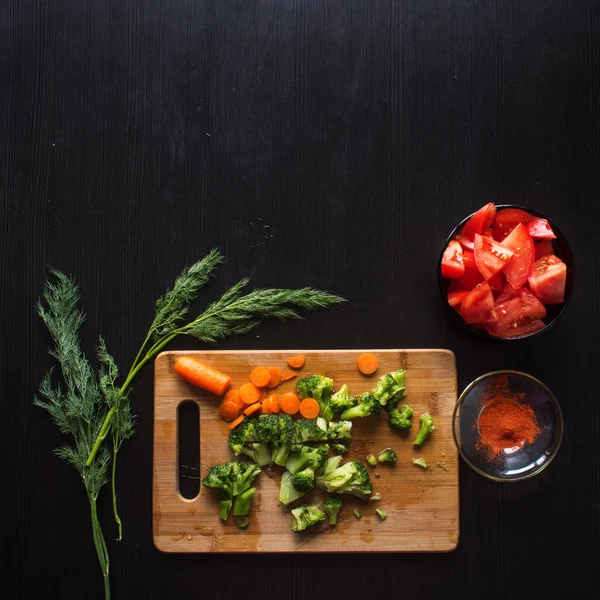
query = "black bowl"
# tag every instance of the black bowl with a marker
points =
(562, 249)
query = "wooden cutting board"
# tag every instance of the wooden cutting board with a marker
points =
(422, 505)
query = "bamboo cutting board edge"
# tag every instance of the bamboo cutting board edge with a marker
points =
(174, 530)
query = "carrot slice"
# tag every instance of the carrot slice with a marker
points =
(266, 409)
(205, 377)
(229, 411)
(260, 377)
(297, 362)
(289, 403)
(367, 363)
(252, 409)
(249, 393)
(288, 375)
(234, 396)
(310, 408)
(272, 403)
(275, 375)
(237, 421)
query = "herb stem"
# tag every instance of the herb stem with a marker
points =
(101, 549)
(114, 492)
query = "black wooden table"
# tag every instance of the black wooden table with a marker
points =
(332, 144)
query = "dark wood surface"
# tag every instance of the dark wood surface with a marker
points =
(323, 143)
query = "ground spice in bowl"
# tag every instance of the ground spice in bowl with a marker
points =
(504, 421)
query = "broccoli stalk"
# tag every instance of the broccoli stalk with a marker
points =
(224, 508)
(400, 419)
(241, 507)
(306, 516)
(341, 400)
(307, 457)
(320, 388)
(332, 507)
(287, 492)
(387, 456)
(382, 514)
(281, 447)
(427, 426)
(420, 462)
(259, 453)
(350, 478)
(368, 405)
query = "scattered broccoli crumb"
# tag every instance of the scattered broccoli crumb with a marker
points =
(442, 465)
(372, 442)
(377, 475)
(375, 497)
(387, 456)
(356, 513)
(420, 462)
(381, 513)
(371, 460)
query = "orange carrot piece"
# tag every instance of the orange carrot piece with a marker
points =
(205, 377)
(289, 403)
(367, 363)
(275, 375)
(260, 377)
(310, 408)
(288, 375)
(234, 396)
(272, 403)
(266, 408)
(235, 423)
(229, 411)
(249, 393)
(297, 362)
(252, 409)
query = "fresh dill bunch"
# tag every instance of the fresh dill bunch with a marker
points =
(77, 406)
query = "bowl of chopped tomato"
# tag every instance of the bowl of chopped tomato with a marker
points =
(506, 272)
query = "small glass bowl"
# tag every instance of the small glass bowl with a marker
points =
(562, 249)
(511, 464)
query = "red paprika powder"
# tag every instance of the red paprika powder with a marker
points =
(504, 421)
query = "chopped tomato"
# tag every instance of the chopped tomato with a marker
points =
(507, 219)
(539, 229)
(480, 221)
(548, 279)
(507, 292)
(490, 256)
(455, 297)
(465, 242)
(543, 248)
(532, 307)
(519, 268)
(496, 282)
(470, 279)
(469, 259)
(517, 330)
(478, 305)
(452, 261)
(509, 312)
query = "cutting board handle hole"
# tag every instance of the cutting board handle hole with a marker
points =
(188, 449)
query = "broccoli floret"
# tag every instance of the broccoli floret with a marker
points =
(320, 388)
(287, 492)
(368, 405)
(307, 457)
(381, 513)
(259, 453)
(243, 434)
(304, 480)
(267, 428)
(387, 456)
(306, 516)
(281, 448)
(390, 387)
(332, 507)
(427, 426)
(329, 467)
(350, 478)
(321, 423)
(341, 400)
(421, 462)
(356, 513)
(340, 431)
(308, 431)
(372, 460)
(401, 419)
(339, 448)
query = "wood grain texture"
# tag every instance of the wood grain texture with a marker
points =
(422, 506)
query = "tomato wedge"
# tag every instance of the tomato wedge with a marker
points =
(480, 221)
(517, 330)
(452, 261)
(455, 297)
(507, 219)
(478, 305)
(519, 268)
(496, 282)
(507, 292)
(543, 248)
(548, 279)
(490, 256)
(470, 279)
(532, 308)
(469, 259)
(539, 229)
(465, 242)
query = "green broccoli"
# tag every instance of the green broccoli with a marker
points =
(259, 453)
(243, 434)
(320, 388)
(308, 431)
(350, 478)
(281, 448)
(340, 448)
(267, 428)
(341, 400)
(232, 479)
(304, 480)
(241, 507)
(356, 513)
(381, 513)
(427, 426)
(387, 456)
(368, 405)
(400, 419)
(339, 431)
(308, 456)
(421, 462)
(306, 516)
(287, 492)
(390, 387)
(332, 507)
(372, 460)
